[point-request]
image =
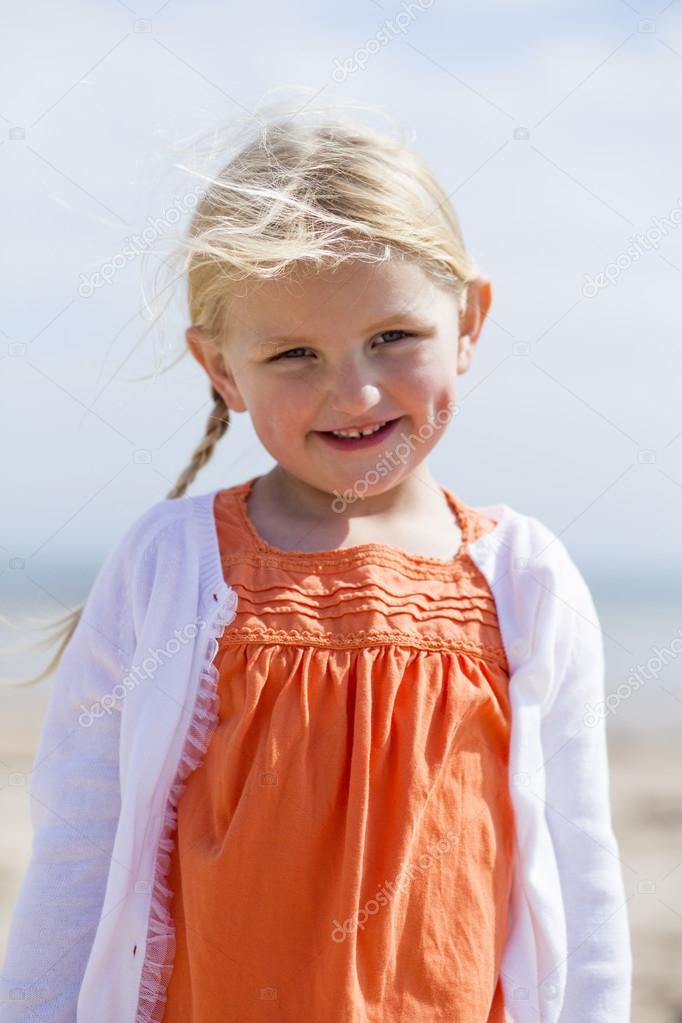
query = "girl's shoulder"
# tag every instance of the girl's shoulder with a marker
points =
(166, 520)
(165, 564)
(532, 572)
(169, 538)
(508, 532)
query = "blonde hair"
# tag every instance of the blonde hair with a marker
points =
(304, 190)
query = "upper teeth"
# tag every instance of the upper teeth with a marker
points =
(358, 433)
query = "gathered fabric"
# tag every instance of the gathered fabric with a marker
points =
(344, 850)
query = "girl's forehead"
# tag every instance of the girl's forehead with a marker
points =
(350, 288)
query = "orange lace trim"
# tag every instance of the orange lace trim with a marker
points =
(362, 638)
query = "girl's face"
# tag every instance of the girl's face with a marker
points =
(355, 346)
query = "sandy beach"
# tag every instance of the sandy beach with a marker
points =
(647, 819)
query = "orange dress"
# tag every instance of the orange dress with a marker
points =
(344, 851)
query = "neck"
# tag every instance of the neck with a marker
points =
(415, 494)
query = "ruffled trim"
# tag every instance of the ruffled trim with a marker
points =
(160, 947)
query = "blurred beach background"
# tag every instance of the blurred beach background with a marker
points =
(551, 128)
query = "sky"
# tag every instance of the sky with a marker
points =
(552, 127)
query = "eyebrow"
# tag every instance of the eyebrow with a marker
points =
(409, 319)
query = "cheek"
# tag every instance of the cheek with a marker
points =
(281, 406)
(432, 392)
(427, 383)
(429, 367)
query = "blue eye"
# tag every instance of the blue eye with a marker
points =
(403, 332)
(288, 352)
(292, 351)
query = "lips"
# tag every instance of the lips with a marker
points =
(353, 443)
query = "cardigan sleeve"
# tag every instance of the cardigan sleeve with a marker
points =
(577, 810)
(74, 795)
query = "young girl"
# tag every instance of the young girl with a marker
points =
(318, 747)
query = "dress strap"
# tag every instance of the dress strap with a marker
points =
(472, 523)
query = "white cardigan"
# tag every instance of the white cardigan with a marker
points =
(105, 777)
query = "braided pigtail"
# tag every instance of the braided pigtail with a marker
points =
(218, 422)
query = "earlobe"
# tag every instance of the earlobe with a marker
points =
(209, 356)
(477, 304)
(464, 350)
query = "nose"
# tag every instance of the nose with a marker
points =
(353, 394)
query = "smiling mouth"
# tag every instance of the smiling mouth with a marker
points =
(370, 434)
(359, 431)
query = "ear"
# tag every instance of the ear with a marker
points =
(479, 296)
(212, 358)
